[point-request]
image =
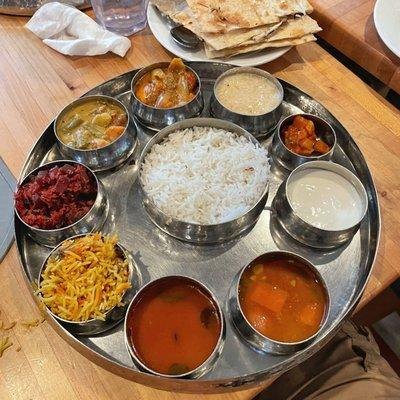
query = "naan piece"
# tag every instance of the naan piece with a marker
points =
(230, 27)
(225, 53)
(238, 37)
(181, 15)
(292, 28)
(295, 28)
(225, 15)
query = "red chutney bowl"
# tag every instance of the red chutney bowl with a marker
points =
(58, 200)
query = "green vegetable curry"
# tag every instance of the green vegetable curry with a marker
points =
(92, 125)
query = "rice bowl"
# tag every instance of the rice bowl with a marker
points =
(205, 175)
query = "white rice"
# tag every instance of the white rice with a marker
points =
(205, 175)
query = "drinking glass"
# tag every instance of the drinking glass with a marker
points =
(124, 17)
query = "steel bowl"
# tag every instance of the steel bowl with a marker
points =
(211, 360)
(113, 316)
(92, 221)
(303, 231)
(191, 232)
(107, 157)
(251, 336)
(258, 125)
(290, 160)
(158, 118)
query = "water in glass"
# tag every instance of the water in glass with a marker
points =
(124, 17)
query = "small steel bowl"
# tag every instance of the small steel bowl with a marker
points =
(191, 232)
(258, 125)
(303, 231)
(208, 364)
(255, 339)
(290, 160)
(158, 118)
(92, 221)
(113, 316)
(107, 157)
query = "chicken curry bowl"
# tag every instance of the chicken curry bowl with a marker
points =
(170, 87)
(91, 124)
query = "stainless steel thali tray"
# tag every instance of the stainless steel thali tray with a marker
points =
(346, 270)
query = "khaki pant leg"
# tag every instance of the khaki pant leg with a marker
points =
(348, 367)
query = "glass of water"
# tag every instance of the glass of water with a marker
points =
(124, 17)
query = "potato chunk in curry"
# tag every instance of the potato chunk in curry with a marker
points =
(92, 125)
(167, 87)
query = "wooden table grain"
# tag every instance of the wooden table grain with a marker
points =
(349, 27)
(36, 82)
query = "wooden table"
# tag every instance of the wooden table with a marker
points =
(349, 27)
(36, 82)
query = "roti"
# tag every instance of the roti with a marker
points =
(229, 27)
(211, 53)
(223, 16)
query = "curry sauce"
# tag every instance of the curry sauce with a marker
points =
(282, 299)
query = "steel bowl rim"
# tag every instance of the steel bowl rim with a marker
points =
(256, 71)
(131, 269)
(37, 169)
(221, 337)
(85, 99)
(153, 141)
(139, 74)
(311, 158)
(310, 165)
(309, 265)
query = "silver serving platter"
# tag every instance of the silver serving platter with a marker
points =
(346, 270)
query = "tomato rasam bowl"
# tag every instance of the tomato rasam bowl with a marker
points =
(279, 302)
(174, 328)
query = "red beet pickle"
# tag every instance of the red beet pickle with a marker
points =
(57, 197)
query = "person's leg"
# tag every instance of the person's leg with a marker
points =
(348, 367)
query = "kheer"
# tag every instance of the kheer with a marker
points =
(248, 94)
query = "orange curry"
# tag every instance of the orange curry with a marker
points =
(174, 327)
(167, 87)
(282, 299)
(301, 138)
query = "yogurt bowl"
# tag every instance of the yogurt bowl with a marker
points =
(321, 204)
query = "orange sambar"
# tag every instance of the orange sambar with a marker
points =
(282, 299)
(174, 327)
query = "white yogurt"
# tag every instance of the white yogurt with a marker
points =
(325, 199)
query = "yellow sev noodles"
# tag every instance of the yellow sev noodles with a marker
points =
(85, 279)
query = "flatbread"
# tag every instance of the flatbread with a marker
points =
(286, 29)
(226, 15)
(230, 27)
(219, 41)
(295, 27)
(292, 28)
(175, 10)
(237, 37)
(225, 53)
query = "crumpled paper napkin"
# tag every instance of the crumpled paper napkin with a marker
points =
(71, 32)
